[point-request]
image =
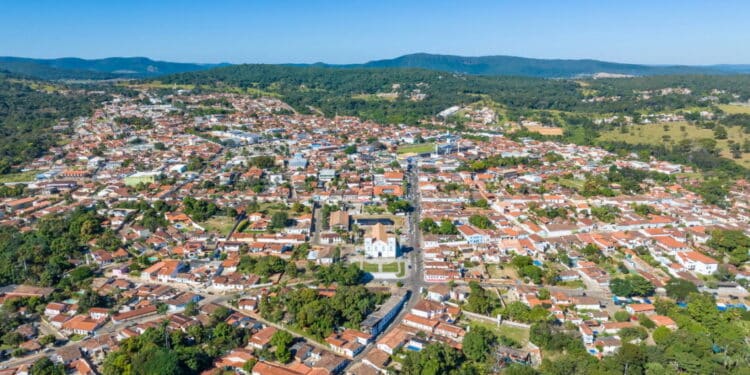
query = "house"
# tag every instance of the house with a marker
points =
(379, 244)
(663, 321)
(330, 238)
(378, 360)
(138, 313)
(82, 325)
(339, 220)
(326, 174)
(164, 270)
(439, 292)
(55, 308)
(695, 261)
(428, 309)
(248, 304)
(608, 344)
(640, 308)
(393, 340)
(98, 313)
(235, 359)
(345, 344)
(473, 235)
(262, 339)
(420, 323)
(380, 318)
(266, 368)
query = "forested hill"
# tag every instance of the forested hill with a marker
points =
(407, 95)
(142, 67)
(384, 95)
(112, 67)
(28, 111)
(547, 68)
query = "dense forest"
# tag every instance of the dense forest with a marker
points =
(28, 115)
(353, 91)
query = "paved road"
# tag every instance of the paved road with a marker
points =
(415, 281)
(317, 224)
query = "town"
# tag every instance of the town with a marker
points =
(257, 240)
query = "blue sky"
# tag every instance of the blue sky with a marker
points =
(351, 31)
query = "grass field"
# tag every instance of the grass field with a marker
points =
(497, 273)
(735, 108)
(419, 148)
(677, 131)
(389, 267)
(18, 177)
(395, 267)
(521, 335)
(388, 96)
(159, 85)
(219, 224)
(401, 269)
(371, 267)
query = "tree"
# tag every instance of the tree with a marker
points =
(679, 289)
(291, 270)
(481, 222)
(480, 300)
(631, 285)
(543, 294)
(622, 316)
(661, 335)
(477, 343)
(191, 309)
(518, 369)
(481, 203)
(428, 225)
(282, 340)
(434, 359)
(279, 220)
(733, 243)
(47, 340)
(157, 361)
(45, 366)
(263, 162)
(720, 132)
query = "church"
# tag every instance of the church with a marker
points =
(379, 244)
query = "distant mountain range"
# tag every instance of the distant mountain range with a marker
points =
(141, 67)
(108, 68)
(546, 68)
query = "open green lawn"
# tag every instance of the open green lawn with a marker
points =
(419, 148)
(389, 267)
(401, 270)
(220, 224)
(28, 176)
(371, 267)
(506, 272)
(375, 97)
(572, 184)
(735, 108)
(675, 132)
(159, 85)
(521, 335)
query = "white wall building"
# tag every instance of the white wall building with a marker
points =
(379, 244)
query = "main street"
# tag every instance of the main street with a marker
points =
(414, 283)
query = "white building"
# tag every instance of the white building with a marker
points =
(697, 262)
(381, 245)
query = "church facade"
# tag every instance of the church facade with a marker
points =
(380, 244)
